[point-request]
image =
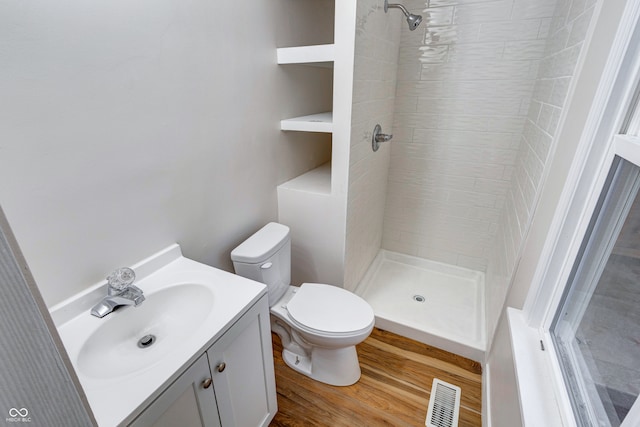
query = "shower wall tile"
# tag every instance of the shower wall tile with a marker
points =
(375, 75)
(441, 15)
(415, 121)
(476, 52)
(524, 49)
(567, 31)
(478, 70)
(506, 124)
(409, 73)
(442, 3)
(462, 122)
(499, 140)
(533, 9)
(559, 91)
(456, 154)
(510, 30)
(579, 29)
(481, 12)
(473, 107)
(474, 90)
(466, 79)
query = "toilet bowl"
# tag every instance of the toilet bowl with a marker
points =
(318, 335)
(319, 325)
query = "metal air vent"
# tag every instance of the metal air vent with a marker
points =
(444, 405)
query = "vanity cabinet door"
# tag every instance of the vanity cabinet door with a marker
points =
(242, 369)
(188, 402)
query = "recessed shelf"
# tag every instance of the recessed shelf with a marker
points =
(318, 55)
(317, 181)
(322, 122)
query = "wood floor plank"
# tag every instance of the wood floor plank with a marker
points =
(418, 374)
(394, 388)
(421, 348)
(430, 360)
(469, 418)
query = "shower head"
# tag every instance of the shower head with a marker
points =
(412, 20)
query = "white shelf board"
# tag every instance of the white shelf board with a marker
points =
(317, 181)
(320, 55)
(322, 122)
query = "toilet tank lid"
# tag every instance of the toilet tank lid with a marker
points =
(262, 244)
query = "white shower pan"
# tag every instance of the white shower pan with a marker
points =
(437, 304)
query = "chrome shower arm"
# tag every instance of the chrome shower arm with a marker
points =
(396, 5)
(412, 20)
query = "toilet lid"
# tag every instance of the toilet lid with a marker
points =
(329, 309)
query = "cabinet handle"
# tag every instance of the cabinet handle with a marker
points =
(207, 383)
(221, 367)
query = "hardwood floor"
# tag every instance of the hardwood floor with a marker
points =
(393, 391)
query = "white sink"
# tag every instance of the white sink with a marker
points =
(170, 315)
(187, 307)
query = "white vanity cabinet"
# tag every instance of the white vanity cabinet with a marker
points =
(232, 384)
(186, 402)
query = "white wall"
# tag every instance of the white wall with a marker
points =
(567, 33)
(127, 126)
(374, 85)
(465, 79)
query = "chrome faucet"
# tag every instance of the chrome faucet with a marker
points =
(120, 291)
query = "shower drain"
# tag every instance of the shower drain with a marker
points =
(146, 341)
(419, 298)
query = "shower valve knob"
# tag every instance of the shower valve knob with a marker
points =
(383, 137)
(379, 137)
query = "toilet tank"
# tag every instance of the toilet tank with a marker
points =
(266, 257)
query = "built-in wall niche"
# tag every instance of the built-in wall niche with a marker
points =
(315, 181)
(317, 48)
(302, 152)
(307, 42)
(305, 23)
(317, 130)
(310, 110)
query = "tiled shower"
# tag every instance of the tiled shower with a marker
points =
(479, 93)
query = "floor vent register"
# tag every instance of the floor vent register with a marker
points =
(444, 405)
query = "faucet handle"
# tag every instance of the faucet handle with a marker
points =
(121, 279)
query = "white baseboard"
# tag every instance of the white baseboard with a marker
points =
(486, 396)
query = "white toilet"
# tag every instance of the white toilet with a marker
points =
(319, 325)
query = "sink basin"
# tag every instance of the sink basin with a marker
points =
(171, 315)
(188, 307)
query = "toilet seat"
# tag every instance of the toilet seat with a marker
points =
(329, 310)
